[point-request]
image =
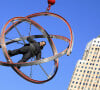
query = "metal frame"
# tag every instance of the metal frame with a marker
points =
(8, 57)
(45, 35)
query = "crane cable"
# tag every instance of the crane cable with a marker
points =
(50, 3)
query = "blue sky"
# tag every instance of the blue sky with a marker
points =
(84, 18)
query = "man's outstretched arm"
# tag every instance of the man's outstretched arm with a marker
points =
(31, 40)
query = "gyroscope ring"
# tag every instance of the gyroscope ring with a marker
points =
(5, 32)
(45, 35)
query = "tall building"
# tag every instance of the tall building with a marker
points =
(87, 71)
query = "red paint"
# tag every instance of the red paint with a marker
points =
(51, 2)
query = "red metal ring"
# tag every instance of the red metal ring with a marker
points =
(57, 55)
(9, 59)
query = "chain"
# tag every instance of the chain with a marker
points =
(18, 32)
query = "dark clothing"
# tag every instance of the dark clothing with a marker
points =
(28, 50)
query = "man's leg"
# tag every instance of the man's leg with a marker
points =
(13, 52)
(18, 51)
(25, 58)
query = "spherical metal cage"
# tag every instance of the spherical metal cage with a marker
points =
(17, 21)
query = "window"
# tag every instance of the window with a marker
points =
(74, 77)
(76, 74)
(96, 85)
(89, 76)
(96, 48)
(98, 81)
(86, 84)
(82, 88)
(73, 82)
(81, 66)
(96, 76)
(84, 71)
(95, 68)
(71, 85)
(91, 80)
(86, 63)
(78, 66)
(92, 48)
(87, 71)
(96, 64)
(90, 63)
(87, 80)
(83, 83)
(80, 70)
(93, 85)
(77, 78)
(86, 75)
(93, 44)
(90, 72)
(91, 67)
(84, 79)
(79, 75)
(78, 86)
(95, 53)
(93, 72)
(77, 70)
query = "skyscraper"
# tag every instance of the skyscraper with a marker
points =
(87, 71)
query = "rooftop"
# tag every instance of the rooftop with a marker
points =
(99, 36)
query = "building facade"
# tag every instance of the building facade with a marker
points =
(87, 71)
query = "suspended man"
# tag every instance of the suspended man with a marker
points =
(29, 50)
